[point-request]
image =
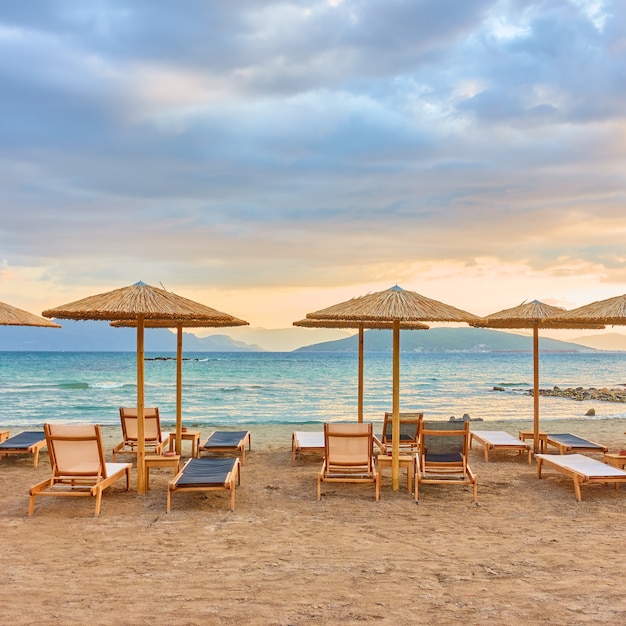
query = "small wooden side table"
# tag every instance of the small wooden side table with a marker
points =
(158, 460)
(525, 435)
(188, 435)
(614, 459)
(405, 460)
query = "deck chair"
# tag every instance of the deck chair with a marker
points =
(28, 442)
(582, 469)
(206, 474)
(232, 441)
(442, 459)
(348, 456)
(566, 442)
(154, 438)
(78, 465)
(409, 433)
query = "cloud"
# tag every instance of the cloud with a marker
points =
(266, 144)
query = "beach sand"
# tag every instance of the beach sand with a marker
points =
(527, 553)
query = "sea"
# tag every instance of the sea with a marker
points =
(247, 388)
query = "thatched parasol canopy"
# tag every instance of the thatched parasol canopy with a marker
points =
(395, 306)
(179, 325)
(12, 316)
(317, 323)
(309, 322)
(533, 315)
(611, 311)
(530, 315)
(139, 302)
(391, 305)
(128, 303)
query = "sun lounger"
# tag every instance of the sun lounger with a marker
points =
(581, 469)
(206, 474)
(228, 441)
(78, 465)
(498, 440)
(302, 441)
(348, 456)
(442, 459)
(566, 442)
(154, 439)
(28, 442)
(409, 433)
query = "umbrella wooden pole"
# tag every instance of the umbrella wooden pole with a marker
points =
(361, 359)
(141, 431)
(536, 389)
(179, 389)
(395, 416)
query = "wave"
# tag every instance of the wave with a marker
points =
(520, 384)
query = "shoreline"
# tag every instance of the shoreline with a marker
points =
(271, 435)
(283, 557)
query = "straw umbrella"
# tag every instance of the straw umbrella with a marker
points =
(138, 302)
(179, 325)
(12, 316)
(394, 306)
(361, 326)
(611, 311)
(533, 315)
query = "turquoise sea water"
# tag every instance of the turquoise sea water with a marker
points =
(226, 389)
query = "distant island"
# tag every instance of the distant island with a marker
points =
(90, 336)
(446, 340)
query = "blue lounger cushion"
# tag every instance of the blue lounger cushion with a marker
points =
(228, 441)
(206, 471)
(568, 441)
(24, 440)
(225, 439)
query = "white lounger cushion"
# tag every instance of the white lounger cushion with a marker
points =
(583, 465)
(309, 440)
(498, 438)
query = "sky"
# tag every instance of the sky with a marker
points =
(272, 158)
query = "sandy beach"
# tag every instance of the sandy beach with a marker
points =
(527, 553)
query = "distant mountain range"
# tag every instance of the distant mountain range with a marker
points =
(90, 336)
(447, 340)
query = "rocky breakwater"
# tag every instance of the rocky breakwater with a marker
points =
(582, 393)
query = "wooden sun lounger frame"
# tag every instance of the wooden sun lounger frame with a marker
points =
(563, 464)
(410, 446)
(299, 443)
(483, 437)
(344, 471)
(129, 444)
(246, 439)
(564, 448)
(78, 484)
(432, 472)
(232, 478)
(33, 449)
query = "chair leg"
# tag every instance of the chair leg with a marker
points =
(98, 501)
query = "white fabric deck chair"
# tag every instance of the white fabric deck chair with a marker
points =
(78, 465)
(349, 456)
(154, 438)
